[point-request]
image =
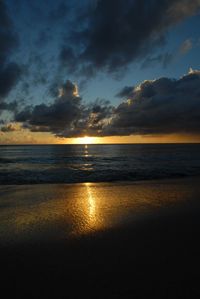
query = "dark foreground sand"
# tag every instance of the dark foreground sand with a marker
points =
(136, 240)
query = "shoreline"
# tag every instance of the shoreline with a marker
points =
(128, 182)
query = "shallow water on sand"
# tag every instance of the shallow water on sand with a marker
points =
(53, 212)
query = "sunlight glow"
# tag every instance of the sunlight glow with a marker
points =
(86, 140)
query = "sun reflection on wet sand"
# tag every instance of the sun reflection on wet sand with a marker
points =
(91, 204)
(62, 211)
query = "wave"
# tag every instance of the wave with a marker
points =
(77, 164)
(73, 176)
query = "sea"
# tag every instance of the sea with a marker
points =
(41, 164)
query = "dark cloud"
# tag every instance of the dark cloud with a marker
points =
(43, 38)
(118, 32)
(12, 106)
(67, 116)
(98, 114)
(63, 112)
(68, 58)
(9, 71)
(160, 106)
(8, 40)
(9, 76)
(93, 117)
(126, 92)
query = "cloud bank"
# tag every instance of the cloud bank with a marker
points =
(161, 106)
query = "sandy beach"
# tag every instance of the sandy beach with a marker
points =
(101, 240)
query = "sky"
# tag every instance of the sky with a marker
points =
(115, 71)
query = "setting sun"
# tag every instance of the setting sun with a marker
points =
(86, 140)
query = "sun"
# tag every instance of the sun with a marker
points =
(86, 140)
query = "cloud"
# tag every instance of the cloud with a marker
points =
(68, 58)
(118, 32)
(10, 72)
(160, 106)
(12, 106)
(163, 59)
(10, 127)
(59, 12)
(93, 118)
(9, 76)
(67, 116)
(126, 92)
(186, 46)
(63, 112)
(43, 38)
(167, 58)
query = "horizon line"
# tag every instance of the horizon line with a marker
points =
(122, 143)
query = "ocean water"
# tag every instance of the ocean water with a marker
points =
(97, 163)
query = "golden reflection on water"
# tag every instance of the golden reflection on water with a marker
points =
(86, 151)
(62, 211)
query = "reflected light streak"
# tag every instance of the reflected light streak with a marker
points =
(91, 205)
(86, 151)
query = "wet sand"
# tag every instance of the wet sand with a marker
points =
(116, 240)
